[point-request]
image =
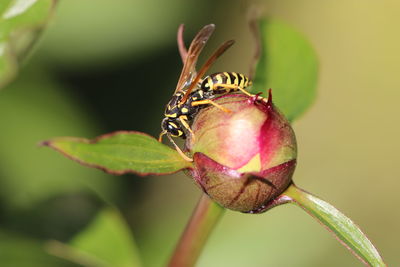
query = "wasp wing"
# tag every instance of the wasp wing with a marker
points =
(189, 67)
(206, 66)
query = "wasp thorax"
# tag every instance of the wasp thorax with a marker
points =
(244, 158)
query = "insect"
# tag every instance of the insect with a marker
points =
(194, 92)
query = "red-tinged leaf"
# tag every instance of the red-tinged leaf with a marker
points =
(122, 152)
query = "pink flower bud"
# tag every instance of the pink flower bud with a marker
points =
(244, 158)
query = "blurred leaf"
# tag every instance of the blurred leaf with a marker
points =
(288, 65)
(20, 24)
(107, 241)
(344, 229)
(122, 152)
(118, 30)
(16, 250)
(36, 108)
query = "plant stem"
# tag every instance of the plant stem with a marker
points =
(203, 221)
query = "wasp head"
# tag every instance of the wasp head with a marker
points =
(171, 126)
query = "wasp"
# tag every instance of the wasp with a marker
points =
(193, 92)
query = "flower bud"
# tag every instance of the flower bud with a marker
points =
(243, 158)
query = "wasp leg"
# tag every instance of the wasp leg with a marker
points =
(208, 101)
(231, 86)
(179, 150)
(183, 120)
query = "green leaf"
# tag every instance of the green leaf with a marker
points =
(107, 241)
(122, 152)
(21, 251)
(114, 33)
(288, 65)
(344, 229)
(39, 106)
(20, 25)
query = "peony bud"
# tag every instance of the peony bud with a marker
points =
(244, 158)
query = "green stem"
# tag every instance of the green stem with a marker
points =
(204, 219)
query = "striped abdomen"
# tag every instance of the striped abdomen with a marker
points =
(224, 82)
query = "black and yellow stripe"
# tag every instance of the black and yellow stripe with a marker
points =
(218, 81)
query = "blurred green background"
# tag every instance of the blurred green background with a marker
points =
(112, 65)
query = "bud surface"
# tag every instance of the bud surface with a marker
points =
(244, 158)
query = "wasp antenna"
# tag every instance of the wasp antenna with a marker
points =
(181, 42)
(255, 32)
